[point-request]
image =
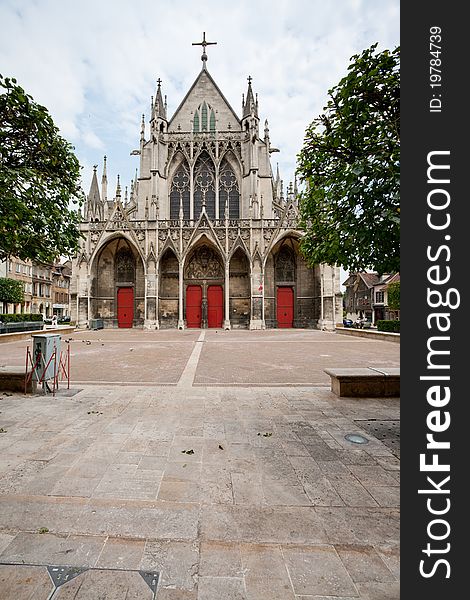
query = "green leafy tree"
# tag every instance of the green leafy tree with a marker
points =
(39, 181)
(393, 295)
(11, 291)
(349, 165)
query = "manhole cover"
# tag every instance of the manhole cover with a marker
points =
(388, 432)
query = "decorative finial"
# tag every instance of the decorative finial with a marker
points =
(159, 82)
(250, 79)
(204, 44)
(94, 168)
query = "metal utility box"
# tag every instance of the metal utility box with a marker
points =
(96, 324)
(46, 343)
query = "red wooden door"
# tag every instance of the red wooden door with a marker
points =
(193, 305)
(125, 306)
(215, 306)
(285, 307)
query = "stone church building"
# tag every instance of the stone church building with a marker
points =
(205, 237)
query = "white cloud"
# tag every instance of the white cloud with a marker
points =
(94, 64)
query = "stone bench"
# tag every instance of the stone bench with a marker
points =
(12, 380)
(368, 382)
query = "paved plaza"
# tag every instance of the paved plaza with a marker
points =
(214, 463)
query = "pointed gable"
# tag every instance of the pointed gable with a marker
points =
(204, 89)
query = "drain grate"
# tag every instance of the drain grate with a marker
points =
(387, 431)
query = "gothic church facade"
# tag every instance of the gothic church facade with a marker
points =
(205, 237)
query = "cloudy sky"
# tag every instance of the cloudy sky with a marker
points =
(94, 64)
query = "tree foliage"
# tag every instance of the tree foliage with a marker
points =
(39, 179)
(393, 295)
(11, 290)
(349, 164)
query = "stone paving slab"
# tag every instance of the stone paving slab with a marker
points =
(246, 493)
(270, 357)
(34, 583)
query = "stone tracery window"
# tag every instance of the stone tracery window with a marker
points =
(179, 192)
(125, 265)
(285, 264)
(229, 193)
(204, 185)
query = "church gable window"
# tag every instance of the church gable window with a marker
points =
(229, 193)
(179, 192)
(204, 186)
(204, 118)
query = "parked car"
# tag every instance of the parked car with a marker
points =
(347, 323)
(65, 319)
(362, 323)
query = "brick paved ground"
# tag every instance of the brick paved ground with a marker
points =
(230, 488)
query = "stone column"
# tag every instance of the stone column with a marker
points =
(88, 300)
(227, 296)
(180, 297)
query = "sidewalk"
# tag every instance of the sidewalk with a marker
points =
(247, 492)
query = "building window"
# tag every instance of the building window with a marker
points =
(229, 194)
(204, 186)
(125, 266)
(379, 297)
(203, 117)
(18, 268)
(285, 265)
(179, 193)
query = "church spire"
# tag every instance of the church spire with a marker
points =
(94, 205)
(104, 182)
(118, 189)
(160, 108)
(250, 106)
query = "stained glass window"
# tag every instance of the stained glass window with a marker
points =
(229, 192)
(179, 192)
(285, 264)
(204, 117)
(204, 185)
(125, 265)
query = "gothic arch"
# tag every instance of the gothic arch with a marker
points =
(204, 261)
(117, 263)
(277, 239)
(203, 237)
(175, 161)
(239, 244)
(105, 240)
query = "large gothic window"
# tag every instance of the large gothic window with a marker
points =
(285, 265)
(204, 185)
(179, 193)
(229, 193)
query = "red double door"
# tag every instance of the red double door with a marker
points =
(125, 306)
(215, 306)
(285, 307)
